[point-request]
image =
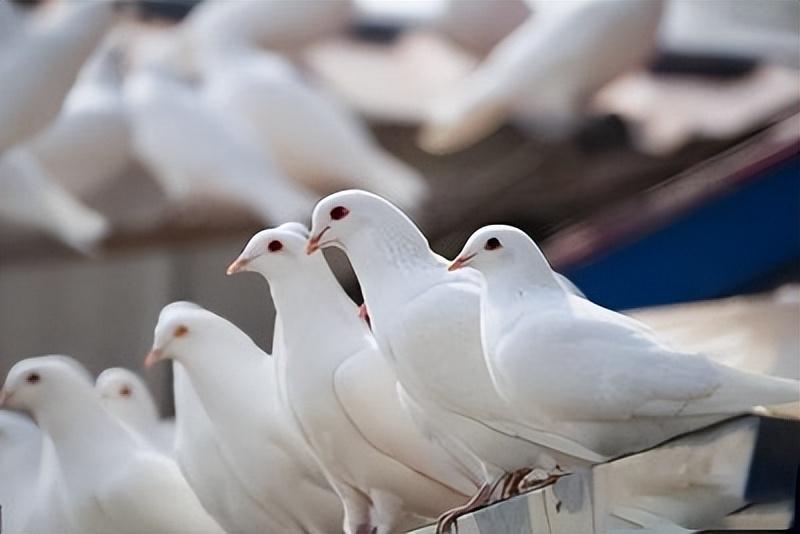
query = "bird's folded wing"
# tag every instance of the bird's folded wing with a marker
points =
(367, 390)
(610, 370)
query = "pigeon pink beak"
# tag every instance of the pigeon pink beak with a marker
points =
(4, 397)
(239, 265)
(153, 357)
(314, 241)
(461, 261)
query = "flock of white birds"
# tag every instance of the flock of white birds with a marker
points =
(219, 105)
(455, 384)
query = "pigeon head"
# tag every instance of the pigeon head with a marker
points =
(273, 251)
(124, 393)
(498, 248)
(339, 216)
(185, 328)
(33, 383)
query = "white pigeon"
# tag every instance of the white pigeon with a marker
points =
(125, 395)
(114, 481)
(313, 138)
(41, 53)
(31, 197)
(20, 455)
(545, 71)
(89, 142)
(235, 381)
(427, 324)
(343, 394)
(192, 147)
(594, 376)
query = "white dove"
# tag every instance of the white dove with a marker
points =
(125, 395)
(29, 196)
(545, 71)
(594, 376)
(41, 54)
(192, 147)
(235, 382)
(114, 481)
(313, 138)
(427, 324)
(20, 456)
(343, 394)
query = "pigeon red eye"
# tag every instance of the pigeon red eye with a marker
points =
(125, 391)
(339, 212)
(274, 245)
(492, 244)
(33, 378)
(180, 331)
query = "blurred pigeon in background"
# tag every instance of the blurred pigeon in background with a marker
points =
(545, 71)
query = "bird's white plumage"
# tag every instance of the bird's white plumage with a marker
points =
(313, 138)
(20, 456)
(232, 377)
(590, 374)
(88, 143)
(285, 26)
(198, 453)
(426, 321)
(545, 70)
(343, 395)
(193, 147)
(112, 481)
(31, 197)
(41, 55)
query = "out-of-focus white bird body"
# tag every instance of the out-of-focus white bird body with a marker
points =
(114, 482)
(545, 70)
(343, 395)
(31, 197)
(193, 147)
(89, 142)
(314, 139)
(274, 25)
(20, 457)
(262, 450)
(40, 61)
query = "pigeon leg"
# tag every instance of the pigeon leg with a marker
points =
(481, 498)
(524, 486)
(515, 480)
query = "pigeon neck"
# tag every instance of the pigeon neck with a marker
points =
(392, 259)
(314, 310)
(311, 297)
(509, 285)
(230, 376)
